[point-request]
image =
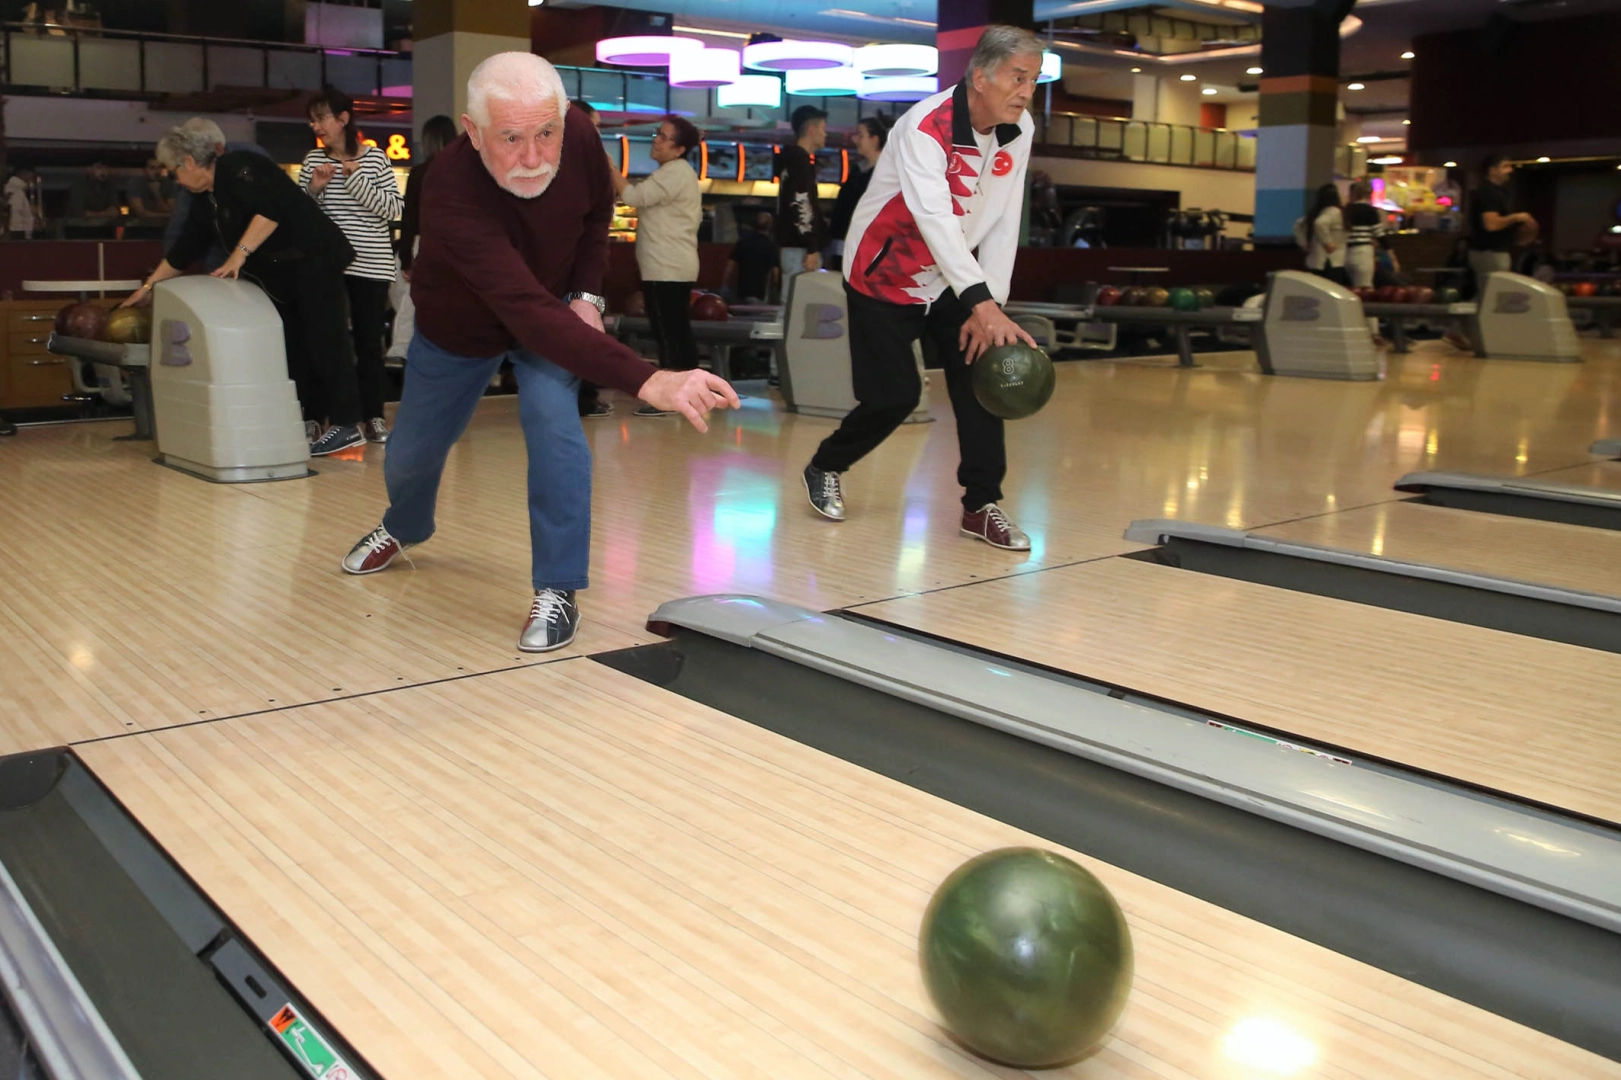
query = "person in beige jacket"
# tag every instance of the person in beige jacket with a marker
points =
(669, 209)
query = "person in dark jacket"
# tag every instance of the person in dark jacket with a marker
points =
(870, 136)
(801, 229)
(279, 238)
(438, 132)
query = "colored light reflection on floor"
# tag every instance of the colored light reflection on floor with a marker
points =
(1269, 1045)
(732, 529)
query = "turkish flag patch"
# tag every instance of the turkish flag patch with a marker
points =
(1002, 164)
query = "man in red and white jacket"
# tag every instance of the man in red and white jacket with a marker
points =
(930, 251)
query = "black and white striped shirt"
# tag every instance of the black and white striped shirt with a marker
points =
(365, 206)
(1364, 225)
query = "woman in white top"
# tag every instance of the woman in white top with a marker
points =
(20, 210)
(1327, 254)
(355, 185)
(669, 209)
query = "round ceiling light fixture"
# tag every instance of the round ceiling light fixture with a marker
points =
(797, 56)
(1189, 78)
(1355, 86)
(899, 61)
(1052, 68)
(1253, 71)
(824, 82)
(1408, 55)
(705, 69)
(645, 50)
(757, 91)
(1208, 91)
(899, 88)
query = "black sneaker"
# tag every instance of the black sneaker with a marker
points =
(554, 619)
(654, 410)
(335, 439)
(376, 430)
(600, 409)
(826, 495)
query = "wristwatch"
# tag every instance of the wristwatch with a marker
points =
(591, 298)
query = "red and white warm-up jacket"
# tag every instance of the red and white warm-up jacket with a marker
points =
(937, 214)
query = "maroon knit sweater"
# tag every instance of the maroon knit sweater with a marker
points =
(493, 268)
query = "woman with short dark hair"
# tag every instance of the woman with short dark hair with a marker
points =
(1326, 225)
(669, 209)
(354, 183)
(870, 136)
(280, 240)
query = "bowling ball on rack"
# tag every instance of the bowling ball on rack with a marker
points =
(1207, 298)
(636, 305)
(1421, 295)
(1156, 297)
(1013, 381)
(81, 320)
(128, 326)
(1446, 295)
(1027, 956)
(1131, 296)
(1584, 288)
(1565, 287)
(1184, 300)
(1399, 294)
(1108, 296)
(710, 308)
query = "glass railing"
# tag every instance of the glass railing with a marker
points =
(1118, 139)
(71, 59)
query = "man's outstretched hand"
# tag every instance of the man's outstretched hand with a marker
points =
(987, 326)
(690, 393)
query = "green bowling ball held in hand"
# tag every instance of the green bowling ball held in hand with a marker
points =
(1013, 381)
(1027, 956)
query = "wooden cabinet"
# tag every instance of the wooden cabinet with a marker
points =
(30, 377)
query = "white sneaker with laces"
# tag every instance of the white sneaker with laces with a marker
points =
(554, 619)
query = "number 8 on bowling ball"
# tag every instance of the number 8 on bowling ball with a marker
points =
(1013, 381)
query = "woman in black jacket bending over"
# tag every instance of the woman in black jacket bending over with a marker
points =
(281, 240)
(872, 133)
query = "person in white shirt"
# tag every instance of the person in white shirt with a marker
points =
(18, 207)
(930, 251)
(669, 209)
(1327, 253)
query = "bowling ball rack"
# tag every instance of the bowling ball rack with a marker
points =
(136, 360)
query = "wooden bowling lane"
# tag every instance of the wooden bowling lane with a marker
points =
(1532, 718)
(560, 871)
(1544, 552)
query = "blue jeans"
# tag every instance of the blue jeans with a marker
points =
(441, 392)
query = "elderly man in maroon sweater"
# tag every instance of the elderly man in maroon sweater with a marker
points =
(514, 242)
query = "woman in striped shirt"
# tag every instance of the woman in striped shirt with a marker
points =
(355, 185)
(1364, 229)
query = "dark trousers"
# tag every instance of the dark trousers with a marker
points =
(669, 309)
(883, 372)
(314, 307)
(587, 398)
(368, 310)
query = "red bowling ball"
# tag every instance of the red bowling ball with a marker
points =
(710, 308)
(1108, 296)
(81, 320)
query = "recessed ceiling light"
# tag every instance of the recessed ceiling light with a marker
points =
(1543, 160)
(1450, 165)
(1253, 71)
(1356, 86)
(1136, 71)
(1368, 138)
(1408, 55)
(1391, 159)
(1189, 78)
(1405, 123)
(1207, 91)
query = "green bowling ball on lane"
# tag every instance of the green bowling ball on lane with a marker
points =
(1027, 956)
(1013, 381)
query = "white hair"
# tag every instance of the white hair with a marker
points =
(204, 126)
(999, 43)
(513, 77)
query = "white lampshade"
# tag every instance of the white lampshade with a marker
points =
(899, 88)
(761, 91)
(705, 69)
(797, 55)
(825, 82)
(648, 50)
(1052, 67)
(880, 61)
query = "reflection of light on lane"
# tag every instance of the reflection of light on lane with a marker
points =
(914, 544)
(1270, 1045)
(82, 658)
(731, 545)
(1522, 453)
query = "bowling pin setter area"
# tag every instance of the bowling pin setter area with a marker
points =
(1282, 752)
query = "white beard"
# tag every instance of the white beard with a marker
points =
(546, 174)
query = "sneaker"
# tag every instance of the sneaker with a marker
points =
(554, 619)
(335, 439)
(600, 409)
(374, 552)
(654, 410)
(989, 524)
(826, 496)
(312, 430)
(376, 431)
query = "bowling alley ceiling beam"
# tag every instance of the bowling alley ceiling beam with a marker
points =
(1244, 10)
